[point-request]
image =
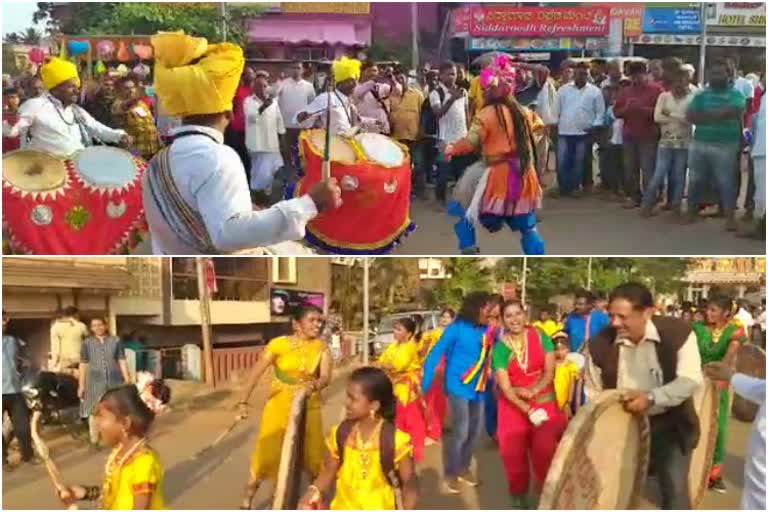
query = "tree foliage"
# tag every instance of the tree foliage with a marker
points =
(126, 18)
(464, 275)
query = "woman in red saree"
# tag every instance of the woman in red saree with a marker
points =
(529, 421)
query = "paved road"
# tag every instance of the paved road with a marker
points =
(215, 480)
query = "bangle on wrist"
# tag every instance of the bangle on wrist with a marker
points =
(92, 493)
(317, 496)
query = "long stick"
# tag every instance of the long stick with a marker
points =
(45, 454)
(326, 168)
(220, 438)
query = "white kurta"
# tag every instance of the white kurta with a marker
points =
(211, 180)
(753, 390)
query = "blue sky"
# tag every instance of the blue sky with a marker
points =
(17, 16)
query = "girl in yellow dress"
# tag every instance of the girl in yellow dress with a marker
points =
(356, 460)
(299, 361)
(402, 362)
(134, 476)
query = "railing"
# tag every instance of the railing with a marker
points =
(227, 361)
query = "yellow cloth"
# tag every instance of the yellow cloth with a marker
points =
(566, 374)
(476, 95)
(57, 71)
(206, 87)
(403, 364)
(428, 341)
(353, 492)
(294, 363)
(142, 474)
(346, 68)
(549, 327)
(406, 115)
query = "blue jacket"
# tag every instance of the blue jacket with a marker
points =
(461, 344)
(576, 324)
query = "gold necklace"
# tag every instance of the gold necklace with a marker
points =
(519, 350)
(717, 332)
(365, 448)
(111, 467)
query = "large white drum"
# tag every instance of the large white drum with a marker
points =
(381, 149)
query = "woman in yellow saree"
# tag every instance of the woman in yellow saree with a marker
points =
(299, 361)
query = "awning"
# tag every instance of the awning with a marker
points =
(332, 32)
(44, 274)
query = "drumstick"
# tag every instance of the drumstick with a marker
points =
(326, 168)
(42, 450)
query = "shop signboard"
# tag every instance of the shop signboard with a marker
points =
(738, 14)
(284, 301)
(695, 40)
(502, 21)
(551, 44)
(326, 7)
(628, 14)
(460, 21)
(671, 20)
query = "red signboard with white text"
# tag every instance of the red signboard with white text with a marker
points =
(489, 20)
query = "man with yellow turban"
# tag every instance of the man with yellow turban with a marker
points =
(196, 195)
(345, 118)
(54, 122)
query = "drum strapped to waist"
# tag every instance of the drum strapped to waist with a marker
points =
(706, 401)
(374, 173)
(750, 360)
(586, 473)
(289, 475)
(89, 203)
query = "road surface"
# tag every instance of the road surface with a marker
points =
(216, 480)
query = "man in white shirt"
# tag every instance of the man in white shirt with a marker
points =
(196, 196)
(294, 95)
(449, 104)
(745, 317)
(752, 389)
(345, 120)
(263, 127)
(579, 108)
(54, 121)
(372, 95)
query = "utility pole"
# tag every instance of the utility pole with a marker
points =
(223, 13)
(415, 35)
(589, 273)
(525, 279)
(205, 320)
(703, 45)
(366, 284)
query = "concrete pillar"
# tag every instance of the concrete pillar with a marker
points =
(689, 293)
(706, 291)
(742, 290)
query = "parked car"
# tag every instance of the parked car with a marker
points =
(384, 332)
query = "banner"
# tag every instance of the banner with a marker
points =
(284, 301)
(326, 8)
(685, 20)
(738, 14)
(488, 20)
(629, 14)
(547, 44)
(460, 21)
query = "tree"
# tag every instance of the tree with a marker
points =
(31, 36)
(464, 275)
(199, 19)
(12, 38)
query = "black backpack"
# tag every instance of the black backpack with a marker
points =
(386, 448)
(428, 119)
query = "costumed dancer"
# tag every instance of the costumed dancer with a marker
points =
(344, 119)
(369, 459)
(719, 338)
(506, 189)
(530, 422)
(299, 361)
(53, 122)
(491, 395)
(402, 363)
(133, 477)
(196, 194)
(436, 403)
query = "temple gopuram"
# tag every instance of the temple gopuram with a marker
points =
(739, 277)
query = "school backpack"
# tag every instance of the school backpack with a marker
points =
(386, 449)
(428, 120)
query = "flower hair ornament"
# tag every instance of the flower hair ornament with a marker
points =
(501, 73)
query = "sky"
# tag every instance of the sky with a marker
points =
(17, 16)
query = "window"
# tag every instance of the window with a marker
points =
(284, 270)
(310, 53)
(237, 279)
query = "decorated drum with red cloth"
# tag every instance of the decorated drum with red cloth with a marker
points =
(88, 204)
(374, 173)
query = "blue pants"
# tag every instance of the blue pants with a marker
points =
(713, 162)
(491, 410)
(571, 151)
(461, 440)
(671, 164)
(530, 240)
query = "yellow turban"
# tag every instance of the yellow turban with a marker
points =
(346, 68)
(193, 77)
(56, 71)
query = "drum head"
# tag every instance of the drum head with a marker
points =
(103, 167)
(33, 171)
(341, 150)
(588, 474)
(706, 403)
(380, 149)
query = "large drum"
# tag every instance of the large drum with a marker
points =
(750, 360)
(288, 489)
(88, 204)
(374, 173)
(585, 474)
(706, 402)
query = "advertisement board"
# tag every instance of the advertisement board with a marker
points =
(738, 14)
(284, 301)
(501, 21)
(683, 20)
